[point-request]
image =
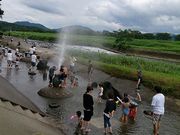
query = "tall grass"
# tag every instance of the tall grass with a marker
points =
(164, 74)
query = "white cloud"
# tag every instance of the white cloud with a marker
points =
(144, 15)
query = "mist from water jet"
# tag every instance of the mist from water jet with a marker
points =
(62, 48)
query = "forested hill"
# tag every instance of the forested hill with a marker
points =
(26, 23)
(35, 27)
(6, 26)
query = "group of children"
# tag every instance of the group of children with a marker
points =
(13, 58)
(59, 78)
(128, 105)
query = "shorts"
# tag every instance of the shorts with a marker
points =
(132, 112)
(9, 62)
(125, 111)
(33, 64)
(156, 118)
(87, 115)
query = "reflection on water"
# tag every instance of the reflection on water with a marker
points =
(8, 73)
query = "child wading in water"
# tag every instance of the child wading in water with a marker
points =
(79, 118)
(125, 108)
(133, 107)
(108, 113)
(101, 89)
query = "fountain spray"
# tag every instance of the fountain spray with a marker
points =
(62, 47)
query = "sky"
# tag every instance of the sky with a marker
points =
(142, 15)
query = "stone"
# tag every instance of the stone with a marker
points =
(107, 86)
(55, 93)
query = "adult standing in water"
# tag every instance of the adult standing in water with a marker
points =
(139, 75)
(33, 61)
(109, 112)
(90, 71)
(88, 108)
(9, 58)
(51, 75)
(1, 58)
(157, 104)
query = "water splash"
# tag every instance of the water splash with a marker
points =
(62, 48)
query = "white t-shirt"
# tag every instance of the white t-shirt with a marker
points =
(101, 91)
(10, 56)
(33, 58)
(157, 104)
(34, 49)
(31, 50)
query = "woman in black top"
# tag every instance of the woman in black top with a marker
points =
(88, 108)
(108, 112)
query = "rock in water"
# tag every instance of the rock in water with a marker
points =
(55, 93)
(109, 88)
(94, 85)
(32, 73)
(42, 65)
(54, 105)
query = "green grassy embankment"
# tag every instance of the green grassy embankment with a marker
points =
(155, 73)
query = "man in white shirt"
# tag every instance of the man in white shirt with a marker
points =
(157, 104)
(34, 48)
(33, 61)
(31, 50)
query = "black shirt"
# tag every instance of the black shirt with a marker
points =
(110, 106)
(88, 102)
(51, 71)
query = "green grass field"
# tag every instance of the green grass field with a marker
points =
(100, 41)
(156, 45)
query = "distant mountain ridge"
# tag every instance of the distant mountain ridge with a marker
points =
(76, 29)
(29, 24)
(36, 27)
(7, 26)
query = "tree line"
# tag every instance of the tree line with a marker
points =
(134, 34)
